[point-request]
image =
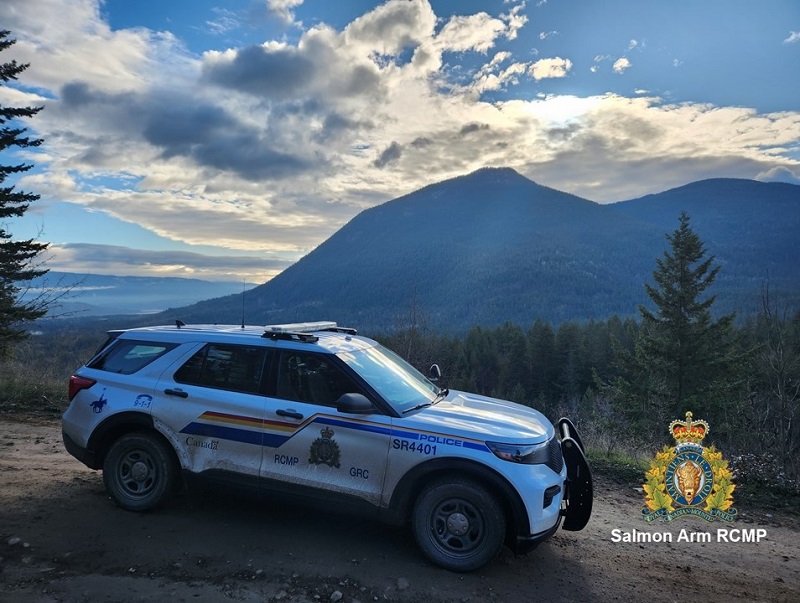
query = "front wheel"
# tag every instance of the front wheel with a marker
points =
(458, 524)
(139, 471)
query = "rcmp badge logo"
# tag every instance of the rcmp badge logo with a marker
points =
(688, 479)
(324, 450)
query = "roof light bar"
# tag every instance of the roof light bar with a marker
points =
(301, 327)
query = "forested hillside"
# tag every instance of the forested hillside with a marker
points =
(494, 247)
(751, 227)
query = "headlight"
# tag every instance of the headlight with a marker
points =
(528, 454)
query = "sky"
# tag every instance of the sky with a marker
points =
(225, 139)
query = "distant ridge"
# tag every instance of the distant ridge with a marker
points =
(102, 295)
(494, 246)
(751, 227)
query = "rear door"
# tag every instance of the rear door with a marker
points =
(213, 406)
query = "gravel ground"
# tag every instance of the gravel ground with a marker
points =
(62, 539)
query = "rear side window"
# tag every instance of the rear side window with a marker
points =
(237, 368)
(127, 356)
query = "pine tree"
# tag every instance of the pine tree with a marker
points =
(683, 359)
(17, 258)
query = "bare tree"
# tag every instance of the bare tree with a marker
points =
(778, 360)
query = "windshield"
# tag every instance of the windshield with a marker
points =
(393, 378)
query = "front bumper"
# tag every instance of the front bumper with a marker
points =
(525, 544)
(579, 491)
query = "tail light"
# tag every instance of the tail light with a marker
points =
(77, 383)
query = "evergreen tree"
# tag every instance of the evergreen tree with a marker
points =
(17, 258)
(569, 356)
(543, 368)
(683, 359)
(514, 381)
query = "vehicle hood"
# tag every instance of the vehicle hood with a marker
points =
(481, 417)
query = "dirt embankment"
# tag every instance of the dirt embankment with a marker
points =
(62, 539)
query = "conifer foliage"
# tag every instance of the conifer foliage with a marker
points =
(683, 358)
(18, 258)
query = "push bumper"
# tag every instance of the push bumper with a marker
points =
(579, 492)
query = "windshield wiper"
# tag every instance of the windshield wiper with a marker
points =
(441, 395)
(417, 407)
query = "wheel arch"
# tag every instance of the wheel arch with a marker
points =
(116, 426)
(413, 482)
(140, 471)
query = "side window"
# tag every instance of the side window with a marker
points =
(127, 356)
(236, 368)
(312, 378)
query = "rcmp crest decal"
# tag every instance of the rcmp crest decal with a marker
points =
(688, 479)
(324, 450)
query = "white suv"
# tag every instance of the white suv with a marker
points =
(312, 409)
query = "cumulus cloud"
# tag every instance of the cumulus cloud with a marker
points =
(550, 68)
(390, 28)
(62, 39)
(621, 65)
(474, 32)
(283, 9)
(635, 135)
(780, 173)
(515, 20)
(273, 70)
(492, 77)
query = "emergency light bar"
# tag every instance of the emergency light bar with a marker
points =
(301, 327)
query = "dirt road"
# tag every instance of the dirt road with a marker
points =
(62, 539)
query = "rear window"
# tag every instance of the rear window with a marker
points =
(127, 356)
(235, 368)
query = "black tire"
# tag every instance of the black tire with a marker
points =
(139, 471)
(458, 524)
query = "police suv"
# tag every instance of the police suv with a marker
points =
(312, 409)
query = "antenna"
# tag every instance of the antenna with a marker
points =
(243, 287)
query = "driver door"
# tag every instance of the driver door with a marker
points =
(310, 442)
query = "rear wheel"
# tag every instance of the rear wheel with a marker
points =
(139, 471)
(458, 524)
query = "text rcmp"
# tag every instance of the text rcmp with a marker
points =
(721, 535)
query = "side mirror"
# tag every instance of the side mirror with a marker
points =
(354, 404)
(434, 373)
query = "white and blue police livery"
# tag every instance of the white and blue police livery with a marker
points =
(313, 409)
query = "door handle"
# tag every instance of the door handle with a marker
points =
(289, 413)
(176, 392)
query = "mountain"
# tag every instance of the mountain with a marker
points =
(493, 246)
(98, 295)
(750, 227)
